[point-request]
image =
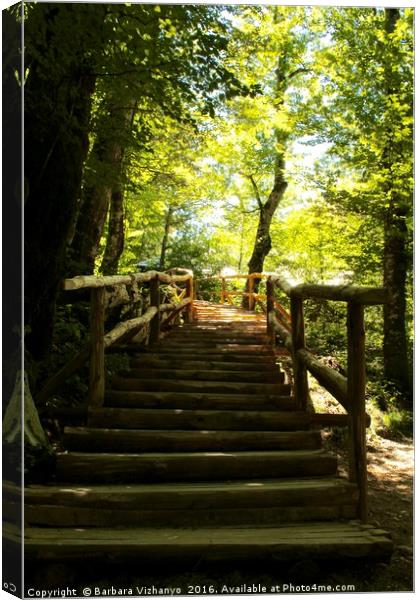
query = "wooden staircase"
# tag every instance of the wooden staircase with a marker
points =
(199, 453)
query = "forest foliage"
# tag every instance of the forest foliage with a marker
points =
(201, 136)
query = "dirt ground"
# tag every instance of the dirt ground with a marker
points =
(390, 498)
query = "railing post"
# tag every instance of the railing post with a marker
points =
(356, 384)
(270, 308)
(189, 294)
(155, 301)
(301, 389)
(223, 292)
(97, 347)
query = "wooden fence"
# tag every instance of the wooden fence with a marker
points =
(290, 328)
(348, 391)
(156, 317)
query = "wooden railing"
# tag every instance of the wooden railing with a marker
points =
(157, 316)
(225, 295)
(290, 328)
(349, 391)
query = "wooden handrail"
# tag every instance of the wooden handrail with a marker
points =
(98, 281)
(345, 293)
(350, 391)
(122, 332)
(128, 329)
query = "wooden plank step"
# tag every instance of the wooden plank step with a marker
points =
(219, 327)
(270, 492)
(89, 439)
(186, 385)
(204, 346)
(186, 504)
(155, 361)
(237, 352)
(188, 355)
(70, 516)
(117, 398)
(150, 418)
(245, 376)
(328, 541)
(229, 315)
(212, 338)
(249, 420)
(192, 466)
(220, 330)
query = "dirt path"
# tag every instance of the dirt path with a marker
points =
(391, 469)
(390, 507)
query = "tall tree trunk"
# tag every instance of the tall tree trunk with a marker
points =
(242, 243)
(56, 143)
(167, 229)
(115, 240)
(96, 198)
(262, 244)
(394, 278)
(107, 160)
(395, 258)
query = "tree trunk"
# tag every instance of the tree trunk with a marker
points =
(242, 243)
(164, 245)
(395, 349)
(115, 240)
(57, 112)
(96, 198)
(395, 258)
(107, 173)
(262, 244)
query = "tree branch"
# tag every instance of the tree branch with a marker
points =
(256, 191)
(298, 72)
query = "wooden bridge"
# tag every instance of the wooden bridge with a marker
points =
(207, 447)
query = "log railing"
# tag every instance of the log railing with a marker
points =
(290, 328)
(349, 391)
(225, 295)
(156, 317)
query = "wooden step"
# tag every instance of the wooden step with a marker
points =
(188, 355)
(229, 328)
(186, 385)
(319, 541)
(88, 439)
(156, 362)
(198, 351)
(192, 466)
(245, 376)
(203, 346)
(185, 331)
(124, 399)
(250, 420)
(185, 504)
(221, 338)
